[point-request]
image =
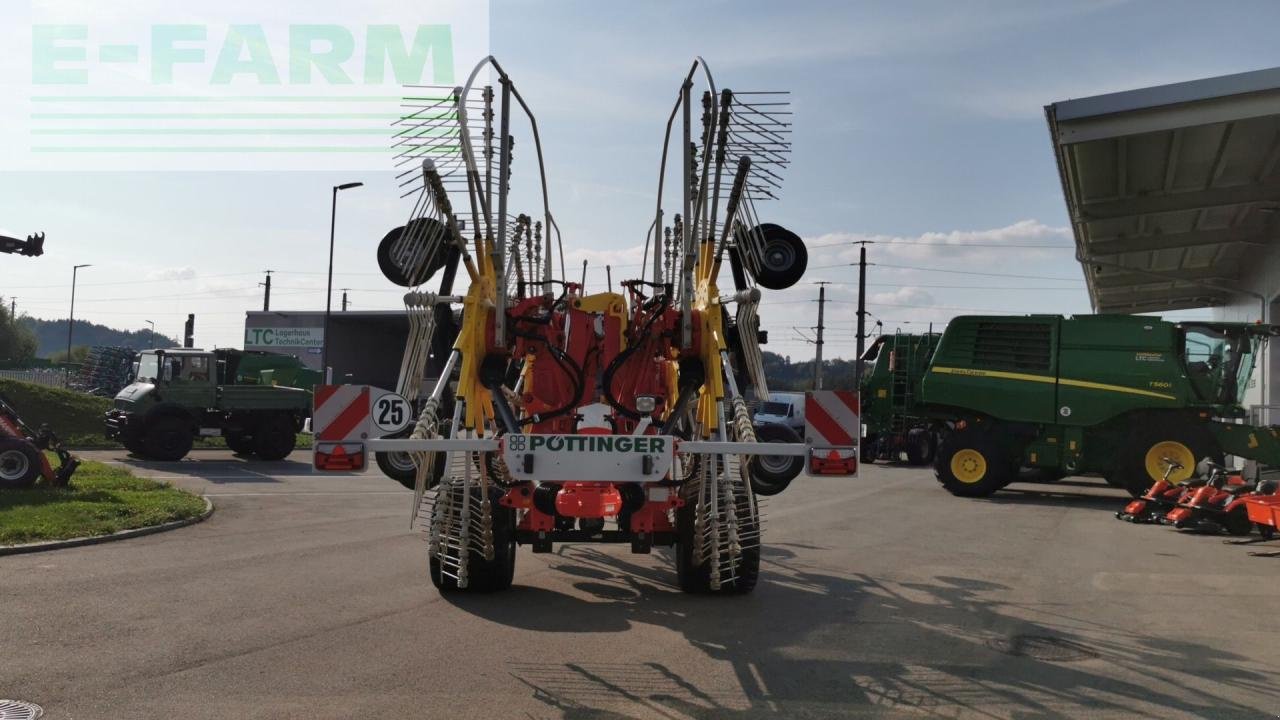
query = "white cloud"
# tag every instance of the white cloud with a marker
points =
(186, 272)
(904, 296)
(960, 245)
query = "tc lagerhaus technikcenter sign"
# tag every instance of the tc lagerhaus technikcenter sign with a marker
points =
(294, 337)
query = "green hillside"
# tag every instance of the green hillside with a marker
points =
(784, 375)
(51, 336)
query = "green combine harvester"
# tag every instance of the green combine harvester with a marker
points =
(896, 427)
(1117, 395)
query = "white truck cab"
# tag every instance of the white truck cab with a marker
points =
(783, 408)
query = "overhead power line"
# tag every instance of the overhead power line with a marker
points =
(890, 243)
(954, 272)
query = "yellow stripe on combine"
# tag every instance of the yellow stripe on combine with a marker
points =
(1050, 380)
(1116, 388)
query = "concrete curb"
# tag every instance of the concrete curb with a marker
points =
(98, 539)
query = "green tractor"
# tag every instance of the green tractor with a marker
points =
(896, 427)
(181, 394)
(1116, 395)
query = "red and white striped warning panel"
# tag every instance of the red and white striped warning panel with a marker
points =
(832, 427)
(341, 423)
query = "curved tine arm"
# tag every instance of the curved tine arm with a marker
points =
(542, 168)
(560, 245)
(648, 237)
(464, 135)
(707, 138)
(468, 155)
(698, 62)
(662, 175)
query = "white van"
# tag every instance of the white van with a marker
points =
(784, 408)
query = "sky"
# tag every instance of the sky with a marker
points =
(918, 126)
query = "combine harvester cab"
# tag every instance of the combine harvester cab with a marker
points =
(562, 415)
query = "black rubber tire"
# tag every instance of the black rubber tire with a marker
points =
(391, 465)
(168, 438)
(275, 437)
(1266, 531)
(695, 578)
(771, 474)
(398, 275)
(19, 464)
(134, 445)
(921, 446)
(783, 258)
(1237, 522)
(240, 443)
(482, 576)
(1000, 470)
(1129, 471)
(867, 450)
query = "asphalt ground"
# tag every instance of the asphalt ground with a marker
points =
(306, 596)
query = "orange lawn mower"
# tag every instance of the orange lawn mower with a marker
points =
(1163, 496)
(22, 456)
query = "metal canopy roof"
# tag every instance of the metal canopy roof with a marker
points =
(1172, 190)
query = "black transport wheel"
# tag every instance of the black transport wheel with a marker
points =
(1152, 443)
(423, 229)
(484, 576)
(168, 438)
(695, 577)
(920, 446)
(399, 465)
(19, 464)
(971, 464)
(771, 474)
(783, 258)
(275, 438)
(240, 443)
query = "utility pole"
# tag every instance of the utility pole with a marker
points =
(344, 299)
(266, 295)
(13, 309)
(817, 365)
(862, 310)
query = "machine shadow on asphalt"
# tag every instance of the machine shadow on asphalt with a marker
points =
(222, 469)
(1057, 497)
(947, 644)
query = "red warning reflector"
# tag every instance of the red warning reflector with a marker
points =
(833, 462)
(339, 457)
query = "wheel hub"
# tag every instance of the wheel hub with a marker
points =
(778, 255)
(1159, 455)
(968, 466)
(13, 465)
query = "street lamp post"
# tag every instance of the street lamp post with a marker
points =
(71, 321)
(153, 333)
(328, 294)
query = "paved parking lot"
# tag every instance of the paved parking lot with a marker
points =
(307, 597)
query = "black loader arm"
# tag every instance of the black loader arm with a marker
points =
(33, 246)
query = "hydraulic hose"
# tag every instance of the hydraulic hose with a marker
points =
(622, 357)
